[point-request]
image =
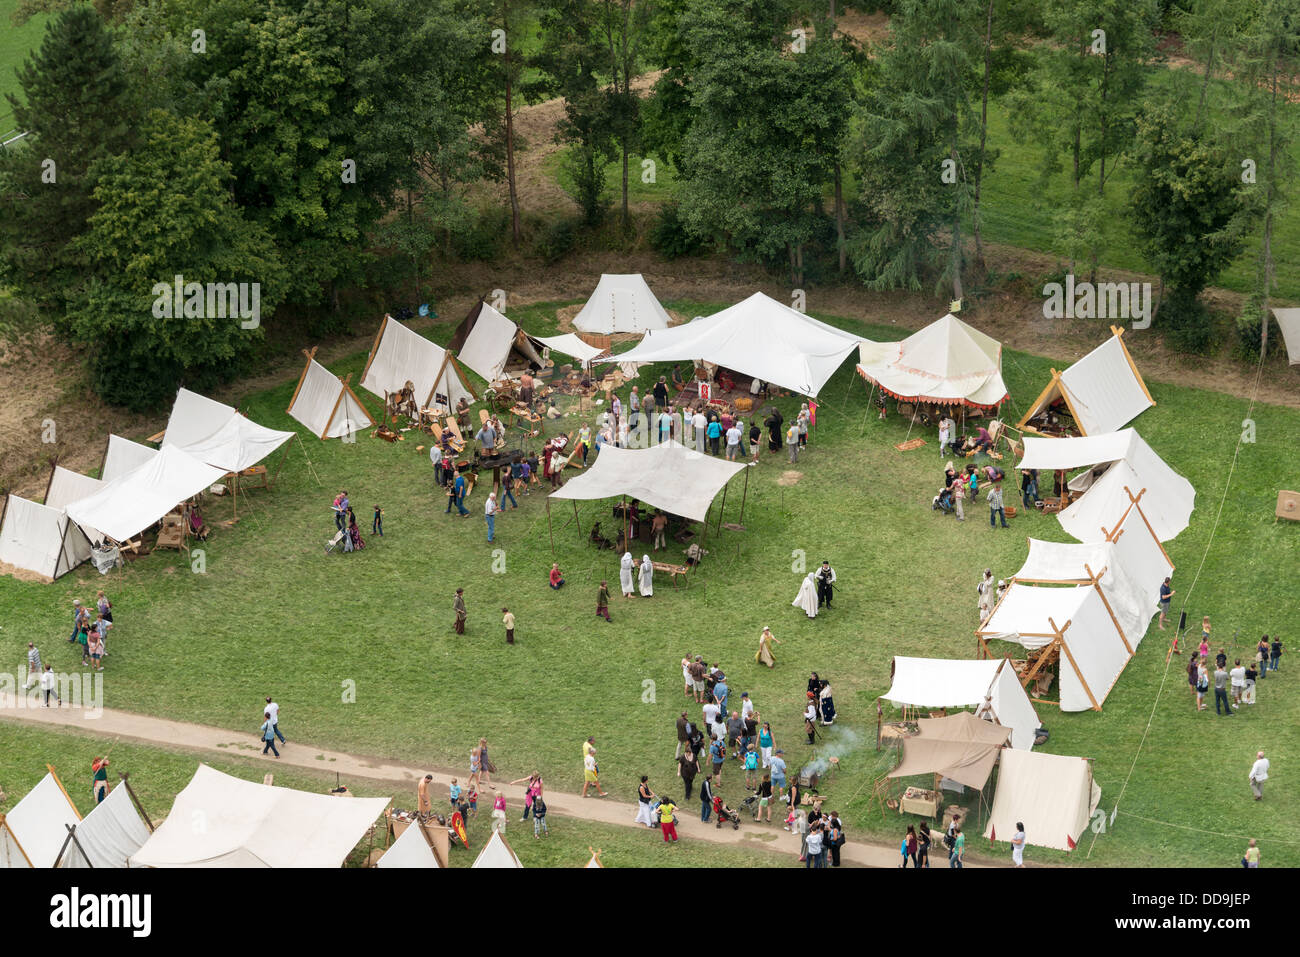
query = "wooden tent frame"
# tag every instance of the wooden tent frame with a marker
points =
(1045, 397)
(447, 357)
(4, 825)
(65, 559)
(345, 382)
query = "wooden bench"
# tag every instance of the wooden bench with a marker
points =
(671, 570)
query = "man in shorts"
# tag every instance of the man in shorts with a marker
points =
(697, 678)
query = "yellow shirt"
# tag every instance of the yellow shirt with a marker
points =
(666, 812)
(1252, 854)
(587, 748)
(509, 621)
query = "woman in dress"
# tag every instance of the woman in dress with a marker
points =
(764, 656)
(353, 532)
(487, 766)
(1193, 675)
(644, 798)
(828, 704)
(625, 575)
(1202, 684)
(774, 431)
(807, 597)
(647, 577)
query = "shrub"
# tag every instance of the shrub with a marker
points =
(556, 240)
(669, 236)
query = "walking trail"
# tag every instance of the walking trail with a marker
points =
(179, 734)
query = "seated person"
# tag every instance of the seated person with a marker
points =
(197, 528)
(983, 441)
(722, 811)
(694, 554)
(557, 579)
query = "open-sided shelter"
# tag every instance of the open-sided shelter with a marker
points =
(1102, 392)
(40, 539)
(326, 404)
(947, 363)
(497, 853)
(622, 302)
(218, 434)
(32, 834)
(400, 355)
(990, 686)
(960, 747)
(494, 346)
(1052, 795)
(571, 345)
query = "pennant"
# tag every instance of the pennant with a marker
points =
(1070, 841)
(993, 832)
(812, 412)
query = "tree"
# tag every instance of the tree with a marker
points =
(509, 16)
(667, 113)
(623, 25)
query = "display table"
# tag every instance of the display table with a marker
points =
(919, 801)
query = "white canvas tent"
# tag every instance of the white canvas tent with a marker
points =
(1288, 320)
(1053, 795)
(948, 362)
(326, 405)
(65, 487)
(485, 340)
(757, 337)
(621, 303)
(1102, 392)
(668, 476)
(217, 434)
(132, 502)
(571, 345)
(989, 686)
(110, 834)
(401, 355)
(40, 539)
(256, 825)
(1134, 472)
(496, 853)
(123, 455)
(411, 849)
(37, 825)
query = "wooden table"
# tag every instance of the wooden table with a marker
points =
(919, 801)
(672, 571)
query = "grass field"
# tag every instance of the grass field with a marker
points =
(272, 614)
(16, 43)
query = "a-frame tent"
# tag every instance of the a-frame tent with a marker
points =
(1053, 795)
(411, 849)
(40, 539)
(489, 343)
(108, 836)
(1288, 320)
(326, 404)
(400, 355)
(497, 853)
(1102, 392)
(65, 487)
(122, 456)
(37, 827)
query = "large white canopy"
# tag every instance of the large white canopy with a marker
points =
(224, 821)
(496, 853)
(325, 404)
(217, 434)
(1288, 320)
(40, 539)
(621, 303)
(1168, 499)
(988, 685)
(110, 834)
(1052, 795)
(668, 476)
(758, 337)
(948, 362)
(132, 502)
(38, 822)
(411, 849)
(570, 345)
(123, 455)
(1103, 390)
(401, 355)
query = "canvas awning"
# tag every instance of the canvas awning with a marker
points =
(1288, 320)
(961, 747)
(1052, 795)
(123, 455)
(667, 476)
(988, 685)
(326, 405)
(757, 337)
(621, 303)
(570, 345)
(948, 363)
(109, 835)
(245, 824)
(217, 434)
(1103, 391)
(411, 849)
(401, 355)
(38, 823)
(497, 853)
(40, 539)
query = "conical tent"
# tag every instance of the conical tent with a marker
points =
(40, 539)
(401, 355)
(1102, 392)
(411, 849)
(948, 363)
(326, 405)
(621, 303)
(486, 340)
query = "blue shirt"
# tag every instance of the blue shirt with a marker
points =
(777, 767)
(460, 486)
(720, 691)
(455, 793)
(715, 751)
(1165, 592)
(714, 430)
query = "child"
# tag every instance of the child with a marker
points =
(473, 802)
(751, 768)
(958, 497)
(96, 648)
(499, 813)
(1205, 638)
(508, 620)
(455, 793)
(377, 524)
(105, 608)
(539, 817)
(789, 819)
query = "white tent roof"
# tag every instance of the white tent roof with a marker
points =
(224, 821)
(1288, 320)
(409, 850)
(621, 303)
(38, 822)
(487, 347)
(1103, 390)
(401, 355)
(67, 487)
(1053, 795)
(570, 345)
(110, 834)
(496, 853)
(122, 456)
(988, 685)
(948, 362)
(326, 406)
(1169, 497)
(134, 501)
(217, 434)
(40, 539)
(669, 476)
(758, 337)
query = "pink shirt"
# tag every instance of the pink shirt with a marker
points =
(500, 802)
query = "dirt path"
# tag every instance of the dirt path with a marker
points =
(194, 737)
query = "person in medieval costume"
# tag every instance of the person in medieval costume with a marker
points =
(764, 656)
(625, 575)
(647, 576)
(807, 597)
(774, 432)
(825, 584)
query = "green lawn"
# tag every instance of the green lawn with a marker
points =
(272, 614)
(16, 43)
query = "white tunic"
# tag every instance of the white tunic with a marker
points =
(625, 573)
(647, 576)
(807, 597)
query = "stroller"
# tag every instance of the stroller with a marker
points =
(750, 806)
(338, 541)
(943, 502)
(723, 813)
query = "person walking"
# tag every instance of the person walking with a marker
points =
(765, 744)
(268, 735)
(50, 686)
(764, 655)
(706, 798)
(1258, 775)
(508, 619)
(910, 845)
(1221, 691)
(1251, 857)
(1237, 679)
(688, 766)
(590, 771)
(923, 841)
(996, 511)
(646, 578)
(764, 798)
(461, 614)
(1018, 845)
(456, 494)
(778, 772)
(499, 814)
(602, 602)
(957, 857)
(490, 511)
(625, 574)
(666, 823)
(34, 667)
(1274, 654)
(644, 796)
(273, 710)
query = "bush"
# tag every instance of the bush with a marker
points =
(669, 236)
(481, 240)
(557, 240)
(1247, 327)
(1188, 323)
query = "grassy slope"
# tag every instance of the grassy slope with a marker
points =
(272, 614)
(15, 44)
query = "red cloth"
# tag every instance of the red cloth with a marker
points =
(555, 576)
(670, 831)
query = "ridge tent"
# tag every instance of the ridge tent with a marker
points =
(1102, 392)
(756, 337)
(121, 456)
(960, 746)
(66, 487)
(948, 363)
(40, 539)
(496, 853)
(256, 825)
(621, 303)
(400, 355)
(1053, 795)
(486, 341)
(571, 345)
(990, 686)
(108, 836)
(595, 859)
(326, 404)
(38, 825)
(1288, 320)
(411, 849)
(218, 434)
(1132, 472)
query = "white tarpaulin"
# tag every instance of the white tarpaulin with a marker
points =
(570, 345)
(256, 825)
(1103, 391)
(39, 822)
(989, 686)
(132, 502)
(409, 850)
(757, 337)
(668, 476)
(496, 853)
(40, 539)
(67, 487)
(947, 362)
(326, 406)
(1288, 320)
(621, 303)
(122, 456)
(401, 356)
(1168, 499)
(1052, 795)
(110, 834)
(217, 434)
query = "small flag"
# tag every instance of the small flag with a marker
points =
(993, 832)
(954, 306)
(1070, 841)
(812, 412)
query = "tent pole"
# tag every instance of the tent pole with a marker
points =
(68, 840)
(549, 529)
(743, 495)
(575, 516)
(722, 508)
(131, 791)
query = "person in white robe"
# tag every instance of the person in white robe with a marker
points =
(647, 576)
(625, 574)
(807, 597)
